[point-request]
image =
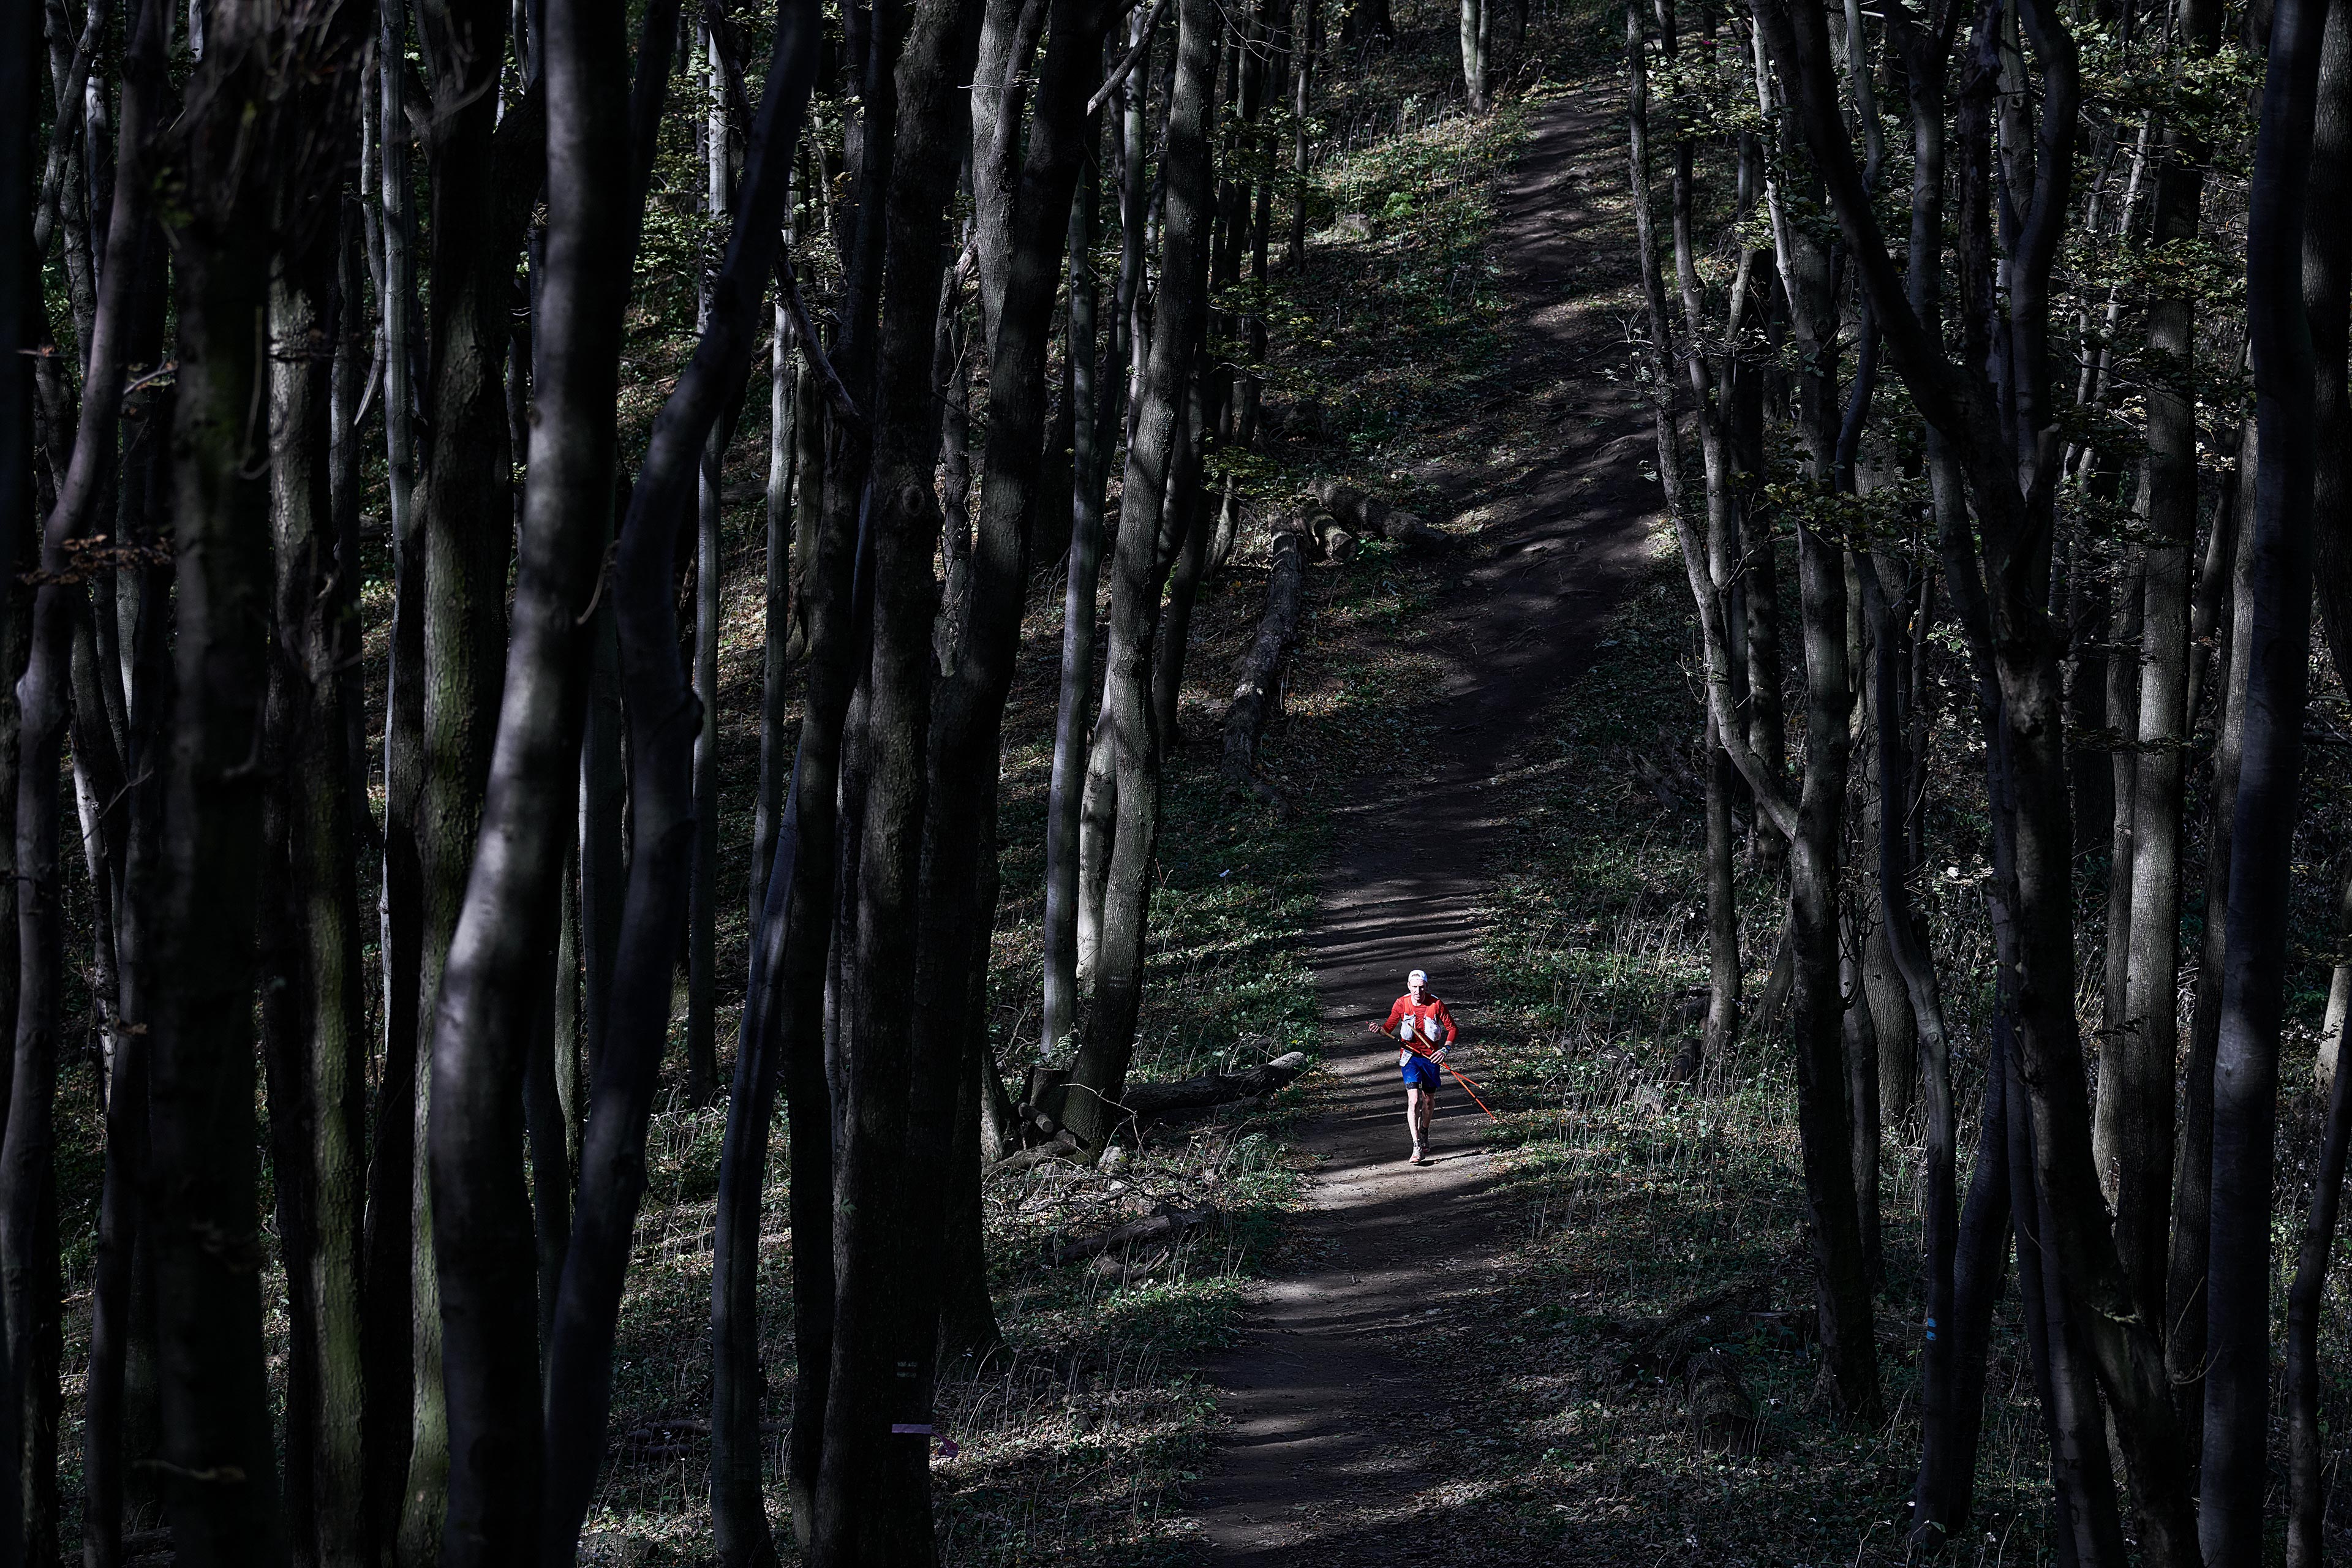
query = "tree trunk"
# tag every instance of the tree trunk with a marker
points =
(2170, 501)
(585, 66)
(776, 622)
(246, 155)
(389, 1314)
(30, 1278)
(1187, 508)
(604, 806)
(1306, 39)
(1898, 974)
(20, 280)
(1824, 1114)
(1963, 1288)
(465, 526)
(2082, 1475)
(496, 990)
(968, 1326)
(2306, 1490)
(2278, 582)
(316, 1120)
(1093, 403)
(1860, 1036)
(2117, 1118)
(1136, 577)
(110, 1443)
(2186, 1298)
(1474, 54)
(2327, 301)
(702, 898)
(898, 1082)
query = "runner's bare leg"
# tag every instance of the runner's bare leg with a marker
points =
(1416, 1117)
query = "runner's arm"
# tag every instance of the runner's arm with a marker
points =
(1446, 1016)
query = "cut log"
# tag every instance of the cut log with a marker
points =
(1367, 513)
(1143, 1102)
(1331, 539)
(1255, 694)
(1164, 1223)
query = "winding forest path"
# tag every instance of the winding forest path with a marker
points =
(1331, 1411)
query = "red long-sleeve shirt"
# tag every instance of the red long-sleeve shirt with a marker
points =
(1429, 1018)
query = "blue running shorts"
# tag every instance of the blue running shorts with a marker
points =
(1421, 1073)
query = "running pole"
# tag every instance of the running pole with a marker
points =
(1464, 1082)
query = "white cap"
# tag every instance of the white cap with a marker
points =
(1418, 977)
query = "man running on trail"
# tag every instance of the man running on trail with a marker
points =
(1424, 1030)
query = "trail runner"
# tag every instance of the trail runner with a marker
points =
(1424, 1031)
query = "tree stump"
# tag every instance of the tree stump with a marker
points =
(1255, 694)
(1723, 1415)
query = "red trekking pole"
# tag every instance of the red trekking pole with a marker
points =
(1466, 1086)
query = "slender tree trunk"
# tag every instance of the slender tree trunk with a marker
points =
(317, 1121)
(702, 900)
(1722, 555)
(497, 988)
(389, 1311)
(2278, 582)
(1023, 225)
(1722, 903)
(20, 279)
(1306, 38)
(2169, 502)
(1859, 1035)
(30, 1276)
(783, 450)
(464, 527)
(1474, 54)
(897, 1083)
(1138, 574)
(2088, 1529)
(2327, 301)
(2306, 1489)
(2185, 1297)
(604, 803)
(1098, 796)
(2117, 1118)
(1188, 514)
(108, 1438)
(585, 70)
(1824, 1116)
(1093, 404)
(1959, 1329)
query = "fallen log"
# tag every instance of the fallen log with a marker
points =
(1255, 694)
(1165, 1221)
(1063, 1145)
(1143, 1102)
(1367, 513)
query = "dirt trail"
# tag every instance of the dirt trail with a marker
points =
(1326, 1402)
